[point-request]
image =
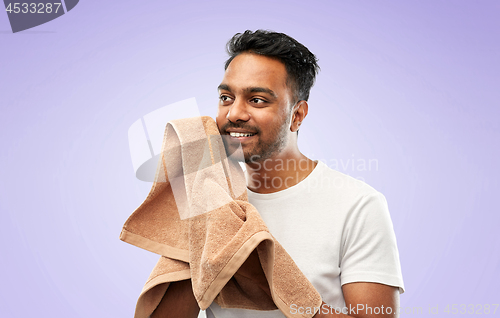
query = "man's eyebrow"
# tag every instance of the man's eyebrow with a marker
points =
(224, 87)
(261, 90)
(250, 90)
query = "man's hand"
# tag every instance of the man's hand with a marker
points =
(366, 300)
(178, 302)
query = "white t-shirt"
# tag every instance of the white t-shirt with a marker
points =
(336, 228)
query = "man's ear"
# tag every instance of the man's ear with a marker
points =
(299, 113)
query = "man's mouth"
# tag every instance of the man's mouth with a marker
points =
(240, 134)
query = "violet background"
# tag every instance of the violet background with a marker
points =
(414, 85)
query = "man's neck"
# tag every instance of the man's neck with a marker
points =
(279, 173)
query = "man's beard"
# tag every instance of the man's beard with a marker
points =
(264, 150)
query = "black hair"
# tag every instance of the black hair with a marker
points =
(301, 65)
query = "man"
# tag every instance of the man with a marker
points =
(336, 228)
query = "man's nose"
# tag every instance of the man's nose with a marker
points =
(238, 111)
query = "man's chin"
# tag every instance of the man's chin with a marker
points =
(253, 158)
(233, 148)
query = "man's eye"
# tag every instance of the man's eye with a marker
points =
(224, 98)
(257, 101)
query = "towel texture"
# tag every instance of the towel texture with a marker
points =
(197, 217)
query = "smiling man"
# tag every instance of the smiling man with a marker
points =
(337, 229)
(259, 108)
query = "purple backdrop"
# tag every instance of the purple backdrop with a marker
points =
(411, 86)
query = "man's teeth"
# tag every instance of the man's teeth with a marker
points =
(237, 134)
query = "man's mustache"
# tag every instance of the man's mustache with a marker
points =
(229, 124)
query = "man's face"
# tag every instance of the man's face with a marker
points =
(254, 105)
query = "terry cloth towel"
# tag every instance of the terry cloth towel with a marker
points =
(198, 218)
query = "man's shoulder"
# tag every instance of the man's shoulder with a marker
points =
(332, 180)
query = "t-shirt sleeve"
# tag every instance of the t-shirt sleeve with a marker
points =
(369, 251)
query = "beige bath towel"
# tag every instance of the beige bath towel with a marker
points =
(198, 218)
